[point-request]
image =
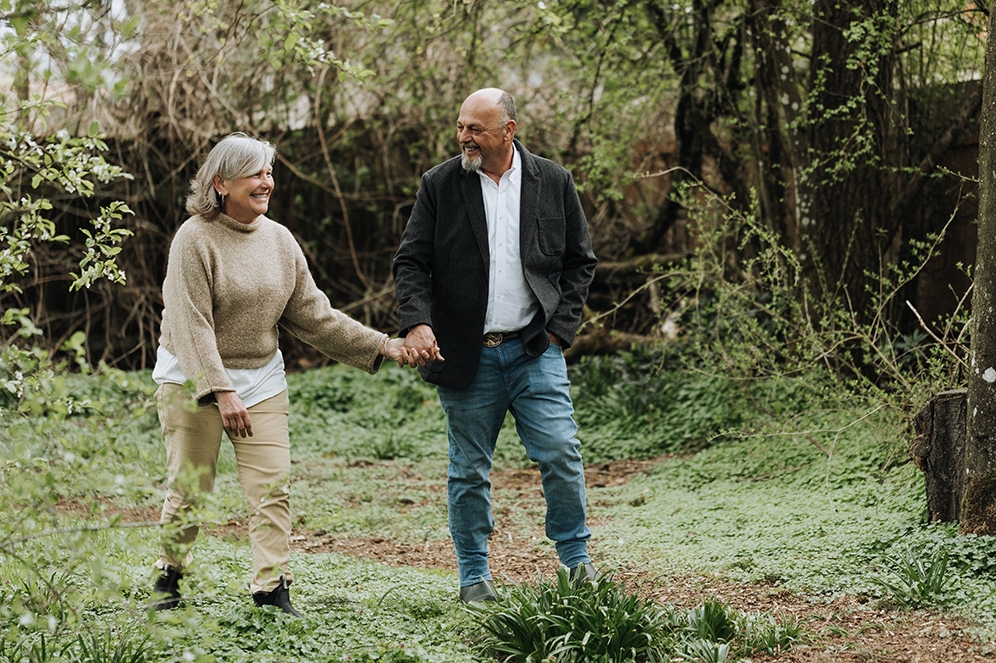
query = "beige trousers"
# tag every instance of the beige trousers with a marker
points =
(193, 435)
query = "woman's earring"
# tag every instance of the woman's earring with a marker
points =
(220, 199)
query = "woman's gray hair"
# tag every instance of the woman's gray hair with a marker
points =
(236, 155)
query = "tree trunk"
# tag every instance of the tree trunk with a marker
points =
(978, 503)
(778, 145)
(693, 113)
(939, 451)
(603, 341)
(855, 147)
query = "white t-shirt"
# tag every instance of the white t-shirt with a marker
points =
(252, 385)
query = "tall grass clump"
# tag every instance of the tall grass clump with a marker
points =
(916, 579)
(563, 621)
(714, 631)
(600, 621)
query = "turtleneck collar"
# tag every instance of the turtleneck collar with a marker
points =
(229, 222)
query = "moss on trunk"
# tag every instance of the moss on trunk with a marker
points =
(978, 505)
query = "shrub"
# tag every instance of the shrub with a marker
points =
(916, 579)
(569, 622)
(601, 622)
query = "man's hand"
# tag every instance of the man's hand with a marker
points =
(234, 415)
(421, 342)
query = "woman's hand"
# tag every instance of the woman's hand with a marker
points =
(234, 415)
(395, 349)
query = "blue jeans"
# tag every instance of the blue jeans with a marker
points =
(535, 390)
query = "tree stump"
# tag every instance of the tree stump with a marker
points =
(939, 451)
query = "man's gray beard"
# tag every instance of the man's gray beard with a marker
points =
(471, 166)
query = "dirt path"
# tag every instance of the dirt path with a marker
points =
(842, 630)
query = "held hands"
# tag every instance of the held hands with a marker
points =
(395, 349)
(422, 346)
(234, 415)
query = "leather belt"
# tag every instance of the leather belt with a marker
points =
(494, 339)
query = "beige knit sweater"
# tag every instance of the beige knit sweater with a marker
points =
(229, 285)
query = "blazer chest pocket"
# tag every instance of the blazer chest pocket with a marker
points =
(551, 235)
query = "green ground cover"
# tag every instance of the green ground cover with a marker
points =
(776, 484)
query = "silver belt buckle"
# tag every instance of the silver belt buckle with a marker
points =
(492, 339)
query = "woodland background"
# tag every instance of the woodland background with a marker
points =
(811, 149)
(783, 196)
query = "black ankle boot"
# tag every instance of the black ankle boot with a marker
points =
(166, 591)
(279, 597)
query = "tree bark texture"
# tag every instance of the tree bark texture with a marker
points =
(604, 341)
(978, 507)
(939, 451)
(709, 62)
(778, 146)
(695, 111)
(847, 221)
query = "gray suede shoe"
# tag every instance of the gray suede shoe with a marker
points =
(583, 572)
(478, 592)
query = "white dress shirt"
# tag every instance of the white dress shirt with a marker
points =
(511, 304)
(252, 385)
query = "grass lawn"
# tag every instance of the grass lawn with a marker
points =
(817, 514)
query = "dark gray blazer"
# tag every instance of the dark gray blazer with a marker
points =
(441, 266)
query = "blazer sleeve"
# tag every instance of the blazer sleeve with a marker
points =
(413, 261)
(578, 267)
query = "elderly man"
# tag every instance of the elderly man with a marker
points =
(491, 275)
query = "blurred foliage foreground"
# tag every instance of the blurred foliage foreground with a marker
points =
(790, 481)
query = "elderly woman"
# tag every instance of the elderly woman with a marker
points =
(233, 277)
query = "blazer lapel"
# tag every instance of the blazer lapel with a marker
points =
(528, 196)
(473, 200)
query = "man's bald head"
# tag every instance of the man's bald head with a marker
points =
(495, 97)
